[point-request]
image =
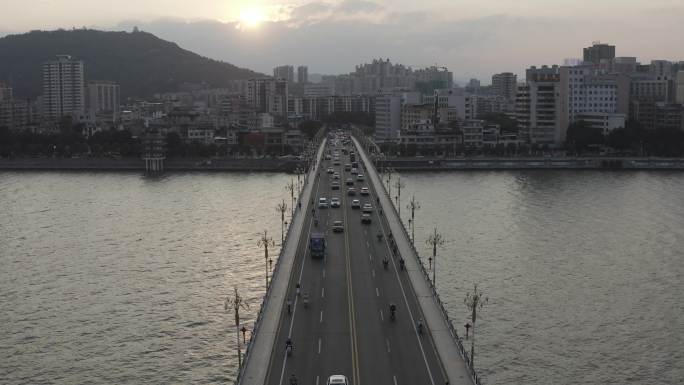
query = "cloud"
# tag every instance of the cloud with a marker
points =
(333, 37)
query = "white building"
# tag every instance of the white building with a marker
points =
(268, 95)
(387, 117)
(539, 108)
(317, 90)
(285, 72)
(505, 85)
(103, 96)
(302, 74)
(63, 87)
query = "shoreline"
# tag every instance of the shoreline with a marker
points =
(398, 164)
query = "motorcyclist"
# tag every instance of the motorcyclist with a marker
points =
(401, 263)
(298, 288)
(385, 262)
(288, 346)
(289, 306)
(393, 310)
(293, 379)
(419, 326)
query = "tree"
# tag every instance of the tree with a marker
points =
(581, 135)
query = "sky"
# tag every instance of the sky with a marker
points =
(471, 38)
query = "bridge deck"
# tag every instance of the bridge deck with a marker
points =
(346, 327)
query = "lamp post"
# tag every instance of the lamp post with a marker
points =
(435, 239)
(474, 301)
(399, 184)
(413, 205)
(265, 241)
(291, 188)
(236, 302)
(282, 208)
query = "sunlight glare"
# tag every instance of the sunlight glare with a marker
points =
(251, 17)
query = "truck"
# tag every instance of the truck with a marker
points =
(317, 245)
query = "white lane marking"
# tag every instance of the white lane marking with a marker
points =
(301, 272)
(377, 292)
(323, 273)
(367, 244)
(365, 232)
(388, 346)
(382, 318)
(320, 319)
(317, 380)
(373, 272)
(319, 346)
(323, 293)
(395, 380)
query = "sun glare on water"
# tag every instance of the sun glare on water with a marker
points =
(251, 17)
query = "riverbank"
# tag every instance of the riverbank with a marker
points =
(595, 163)
(135, 164)
(399, 164)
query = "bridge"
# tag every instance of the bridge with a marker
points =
(344, 326)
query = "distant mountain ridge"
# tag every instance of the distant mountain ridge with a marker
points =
(140, 62)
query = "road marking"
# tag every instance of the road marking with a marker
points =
(317, 380)
(323, 293)
(382, 318)
(367, 244)
(301, 272)
(377, 292)
(323, 273)
(356, 378)
(319, 346)
(388, 346)
(365, 232)
(320, 319)
(395, 380)
(373, 272)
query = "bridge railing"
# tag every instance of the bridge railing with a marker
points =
(426, 275)
(267, 297)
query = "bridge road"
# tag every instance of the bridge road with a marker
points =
(346, 328)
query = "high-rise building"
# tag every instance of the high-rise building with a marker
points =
(103, 97)
(661, 68)
(538, 107)
(437, 77)
(680, 87)
(302, 74)
(505, 84)
(387, 117)
(5, 92)
(63, 92)
(5, 106)
(599, 52)
(268, 95)
(284, 72)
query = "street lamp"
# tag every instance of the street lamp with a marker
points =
(265, 241)
(474, 301)
(413, 205)
(291, 187)
(435, 239)
(399, 184)
(236, 302)
(282, 208)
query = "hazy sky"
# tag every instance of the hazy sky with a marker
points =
(472, 38)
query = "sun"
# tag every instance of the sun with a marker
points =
(252, 17)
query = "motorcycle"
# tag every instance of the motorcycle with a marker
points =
(385, 263)
(393, 312)
(288, 349)
(401, 263)
(420, 327)
(379, 237)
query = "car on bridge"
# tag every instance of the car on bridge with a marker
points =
(331, 170)
(335, 185)
(365, 191)
(365, 218)
(338, 227)
(337, 379)
(322, 203)
(350, 182)
(351, 191)
(347, 167)
(360, 177)
(367, 208)
(356, 204)
(335, 202)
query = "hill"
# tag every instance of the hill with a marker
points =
(140, 62)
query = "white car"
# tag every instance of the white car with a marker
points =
(364, 191)
(356, 204)
(360, 177)
(337, 379)
(335, 202)
(322, 203)
(367, 208)
(331, 170)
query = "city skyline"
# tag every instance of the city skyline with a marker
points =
(476, 41)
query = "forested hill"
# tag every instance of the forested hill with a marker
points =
(140, 62)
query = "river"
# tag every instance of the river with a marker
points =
(118, 278)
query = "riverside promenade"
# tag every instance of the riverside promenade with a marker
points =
(345, 327)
